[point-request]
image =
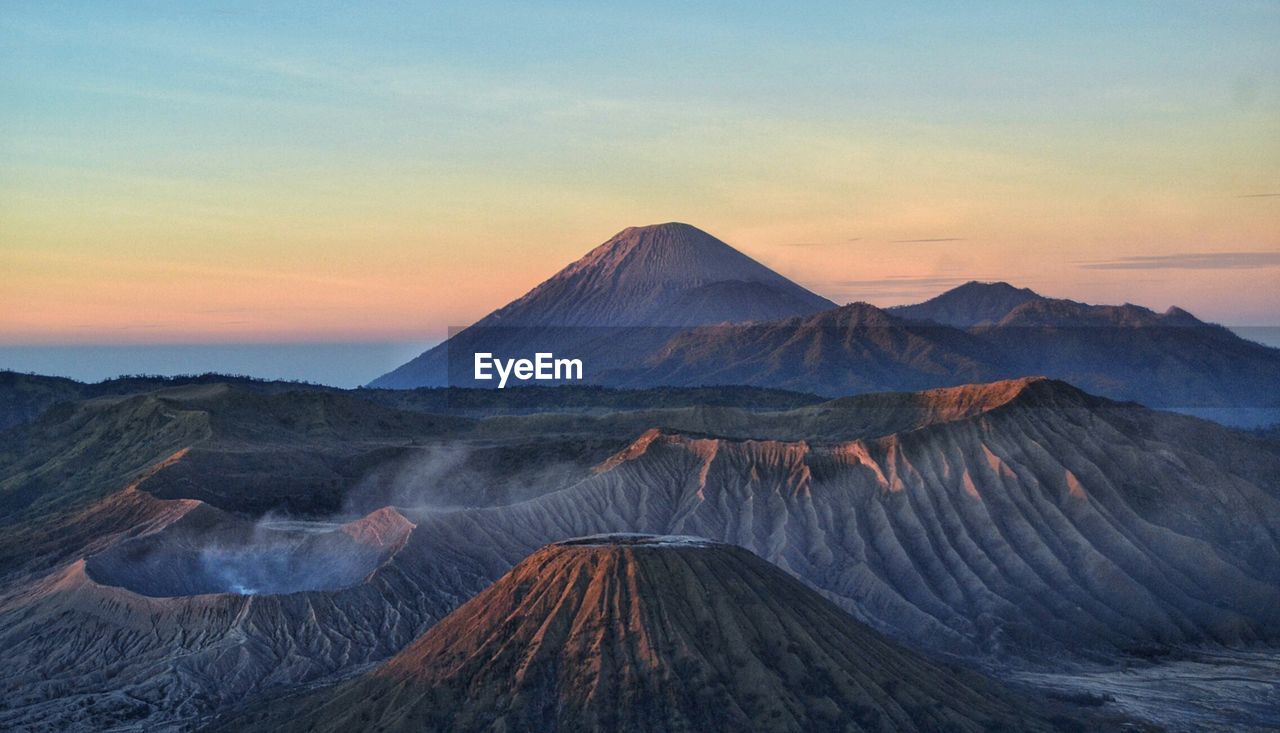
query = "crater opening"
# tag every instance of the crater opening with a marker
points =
(613, 539)
(219, 553)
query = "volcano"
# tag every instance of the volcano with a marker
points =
(1006, 520)
(642, 632)
(643, 282)
(1021, 524)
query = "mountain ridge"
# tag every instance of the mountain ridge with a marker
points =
(854, 348)
(669, 305)
(1125, 352)
(1030, 527)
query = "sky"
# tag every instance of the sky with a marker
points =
(239, 173)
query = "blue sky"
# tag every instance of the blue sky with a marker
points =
(349, 171)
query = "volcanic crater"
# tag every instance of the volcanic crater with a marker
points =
(210, 552)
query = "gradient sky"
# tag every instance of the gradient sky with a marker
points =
(241, 172)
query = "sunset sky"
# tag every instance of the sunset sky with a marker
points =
(246, 172)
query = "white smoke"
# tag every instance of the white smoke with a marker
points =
(450, 476)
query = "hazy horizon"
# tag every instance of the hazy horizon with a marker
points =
(345, 365)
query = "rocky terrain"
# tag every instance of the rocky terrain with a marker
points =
(634, 632)
(1021, 527)
(112, 641)
(1030, 517)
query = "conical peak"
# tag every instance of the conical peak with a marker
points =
(666, 229)
(853, 314)
(633, 632)
(670, 234)
(672, 252)
(663, 274)
(657, 276)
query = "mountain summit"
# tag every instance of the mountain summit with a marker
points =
(972, 304)
(663, 276)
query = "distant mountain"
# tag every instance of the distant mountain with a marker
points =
(1128, 352)
(971, 304)
(642, 285)
(639, 633)
(640, 275)
(671, 306)
(24, 396)
(1170, 359)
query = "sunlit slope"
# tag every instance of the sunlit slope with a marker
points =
(655, 633)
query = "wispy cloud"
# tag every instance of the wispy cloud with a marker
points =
(1258, 195)
(818, 244)
(127, 326)
(926, 241)
(1188, 261)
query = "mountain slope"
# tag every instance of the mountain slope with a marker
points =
(856, 348)
(240, 449)
(635, 277)
(654, 633)
(1017, 523)
(641, 284)
(23, 397)
(1169, 359)
(1039, 520)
